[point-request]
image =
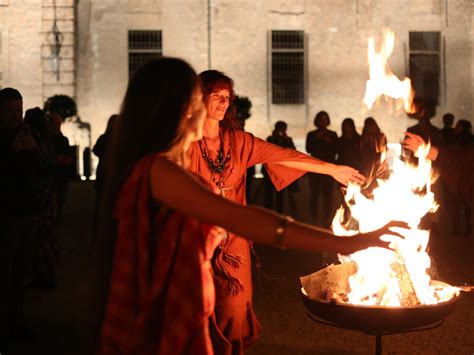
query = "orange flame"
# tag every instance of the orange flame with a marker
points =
(375, 282)
(381, 80)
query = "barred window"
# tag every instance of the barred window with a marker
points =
(425, 64)
(288, 67)
(142, 47)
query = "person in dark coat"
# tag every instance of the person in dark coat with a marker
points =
(275, 199)
(348, 145)
(21, 185)
(454, 165)
(448, 130)
(463, 133)
(321, 144)
(99, 150)
(63, 159)
(46, 238)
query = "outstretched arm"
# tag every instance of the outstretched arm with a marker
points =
(265, 152)
(181, 191)
(341, 173)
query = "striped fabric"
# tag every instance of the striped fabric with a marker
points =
(162, 291)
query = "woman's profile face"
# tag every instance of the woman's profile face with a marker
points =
(195, 115)
(217, 104)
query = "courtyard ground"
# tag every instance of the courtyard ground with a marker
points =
(61, 317)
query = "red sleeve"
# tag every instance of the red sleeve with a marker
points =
(262, 152)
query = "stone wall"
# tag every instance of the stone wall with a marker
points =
(25, 28)
(233, 37)
(337, 34)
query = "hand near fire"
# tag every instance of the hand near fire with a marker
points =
(414, 142)
(384, 237)
(345, 175)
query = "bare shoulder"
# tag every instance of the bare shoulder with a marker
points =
(163, 169)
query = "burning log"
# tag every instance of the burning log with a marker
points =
(330, 283)
(407, 291)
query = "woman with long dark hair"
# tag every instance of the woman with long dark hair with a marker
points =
(160, 218)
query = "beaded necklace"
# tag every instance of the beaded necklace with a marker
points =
(216, 166)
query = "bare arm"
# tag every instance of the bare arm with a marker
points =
(341, 173)
(184, 193)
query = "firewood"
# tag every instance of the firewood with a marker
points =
(407, 291)
(330, 283)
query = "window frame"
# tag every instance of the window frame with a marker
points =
(439, 53)
(287, 100)
(131, 51)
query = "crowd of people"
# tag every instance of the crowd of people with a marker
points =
(173, 232)
(363, 152)
(36, 164)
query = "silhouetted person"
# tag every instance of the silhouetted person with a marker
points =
(348, 145)
(463, 133)
(63, 159)
(424, 112)
(48, 249)
(99, 150)
(448, 130)
(275, 199)
(321, 144)
(454, 165)
(21, 191)
(372, 144)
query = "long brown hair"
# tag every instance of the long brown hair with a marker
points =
(156, 100)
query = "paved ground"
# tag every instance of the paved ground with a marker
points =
(62, 316)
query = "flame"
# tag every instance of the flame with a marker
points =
(405, 196)
(381, 80)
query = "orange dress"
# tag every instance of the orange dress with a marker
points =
(234, 325)
(162, 290)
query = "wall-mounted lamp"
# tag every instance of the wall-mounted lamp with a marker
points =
(55, 39)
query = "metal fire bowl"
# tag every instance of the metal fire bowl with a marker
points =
(378, 319)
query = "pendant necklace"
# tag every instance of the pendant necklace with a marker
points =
(216, 166)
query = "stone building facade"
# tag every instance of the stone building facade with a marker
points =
(26, 29)
(235, 36)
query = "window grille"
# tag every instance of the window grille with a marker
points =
(288, 67)
(142, 47)
(425, 64)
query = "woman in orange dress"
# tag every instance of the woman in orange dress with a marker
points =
(160, 218)
(222, 157)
